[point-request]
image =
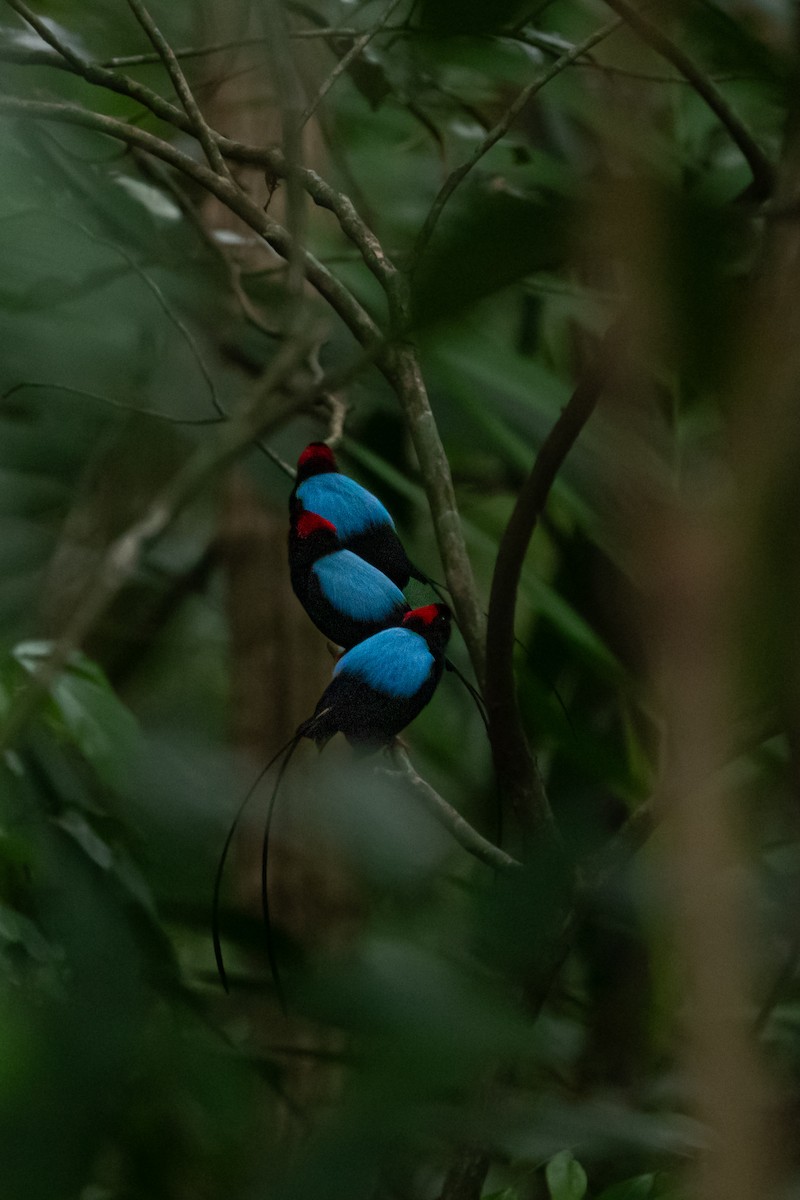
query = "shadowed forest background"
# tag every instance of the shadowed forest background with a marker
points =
(534, 270)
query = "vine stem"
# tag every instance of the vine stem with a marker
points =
(515, 762)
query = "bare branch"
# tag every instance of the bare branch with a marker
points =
(290, 99)
(164, 178)
(43, 385)
(201, 129)
(270, 159)
(338, 415)
(337, 295)
(447, 816)
(761, 168)
(401, 368)
(347, 60)
(141, 60)
(100, 76)
(500, 130)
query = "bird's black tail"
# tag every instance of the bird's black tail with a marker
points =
(215, 933)
(273, 961)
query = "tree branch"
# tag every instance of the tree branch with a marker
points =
(173, 67)
(401, 368)
(761, 168)
(337, 295)
(515, 762)
(99, 76)
(449, 817)
(269, 159)
(347, 60)
(500, 130)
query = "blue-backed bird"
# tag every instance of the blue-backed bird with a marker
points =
(363, 524)
(378, 688)
(347, 598)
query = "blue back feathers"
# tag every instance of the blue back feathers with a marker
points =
(396, 662)
(355, 588)
(343, 502)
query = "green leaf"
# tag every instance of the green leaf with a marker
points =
(566, 1178)
(76, 825)
(497, 234)
(18, 930)
(86, 712)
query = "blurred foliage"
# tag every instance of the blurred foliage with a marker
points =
(419, 1022)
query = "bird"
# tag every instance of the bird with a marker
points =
(362, 522)
(381, 684)
(346, 597)
(378, 688)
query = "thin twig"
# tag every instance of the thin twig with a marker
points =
(36, 384)
(500, 130)
(338, 415)
(347, 60)
(94, 73)
(515, 761)
(179, 324)
(290, 101)
(179, 82)
(761, 168)
(447, 816)
(233, 270)
(142, 60)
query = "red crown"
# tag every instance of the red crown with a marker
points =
(426, 615)
(308, 523)
(318, 451)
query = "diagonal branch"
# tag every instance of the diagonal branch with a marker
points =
(499, 131)
(340, 298)
(269, 158)
(515, 762)
(761, 168)
(93, 73)
(204, 135)
(357, 48)
(401, 368)
(448, 817)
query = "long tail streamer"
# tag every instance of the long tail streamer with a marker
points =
(215, 933)
(273, 961)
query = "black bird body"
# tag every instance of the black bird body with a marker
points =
(347, 598)
(383, 683)
(363, 524)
